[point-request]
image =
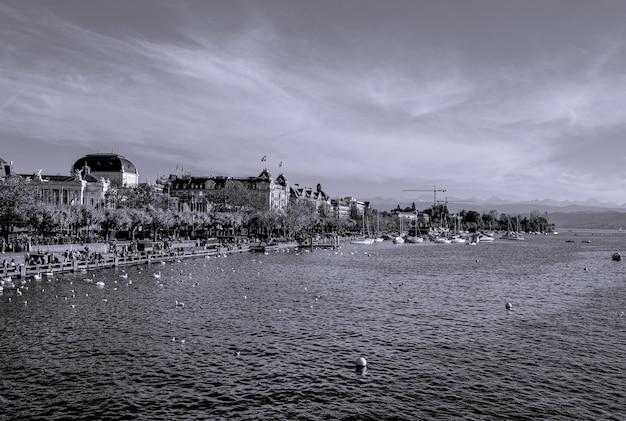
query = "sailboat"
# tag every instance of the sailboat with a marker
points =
(398, 239)
(364, 240)
(415, 238)
(378, 238)
(512, 235)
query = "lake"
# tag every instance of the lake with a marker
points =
(276, 337)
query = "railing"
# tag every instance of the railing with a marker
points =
(23, 271)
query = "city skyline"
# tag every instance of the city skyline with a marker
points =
(517, 100)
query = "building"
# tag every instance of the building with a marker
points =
(204, 193)
(82, 188)
(317, 196)
(6, 168)
(348, 207)
(113, 167)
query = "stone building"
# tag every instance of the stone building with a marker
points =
(203, 193)
(343, 207)
(6, 168)
(316, 196)
(82, 188)
(113, 167)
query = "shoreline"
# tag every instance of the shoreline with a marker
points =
(20, 270)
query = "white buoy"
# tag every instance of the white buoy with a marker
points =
(361, 362)
(509, 306)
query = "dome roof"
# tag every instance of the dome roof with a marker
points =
(105, 162)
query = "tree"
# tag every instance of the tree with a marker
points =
(112, 219)
(17, 197)
(299, 215)
(42, 217)
(471, 219)
(490, 219)
(161, 220)
(538, 221)
(135, 219)
(139, 197)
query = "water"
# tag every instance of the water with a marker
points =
(429, 318)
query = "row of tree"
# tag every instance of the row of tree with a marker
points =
(145, 211)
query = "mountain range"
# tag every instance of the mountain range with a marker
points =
(571, 214)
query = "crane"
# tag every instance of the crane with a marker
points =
(434, 190)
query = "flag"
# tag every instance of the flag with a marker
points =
(280, 164)
(264, 158)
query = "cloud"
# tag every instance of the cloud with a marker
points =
(353, 97)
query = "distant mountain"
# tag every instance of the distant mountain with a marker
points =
(603, 219)
(564, 214)
(502, 206)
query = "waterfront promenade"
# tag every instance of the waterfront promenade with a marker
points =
(15, 266)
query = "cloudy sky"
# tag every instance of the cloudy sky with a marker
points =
(516, 99)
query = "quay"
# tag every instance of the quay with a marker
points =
(18, 267)
(49, 263)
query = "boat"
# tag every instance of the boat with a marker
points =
(413, 239)
(512, 235)
(484, 238)
(472, 239)
(442, 240)
(616, 256)
(364, 241)
(378, 238)
(263, 247)
(398, 240)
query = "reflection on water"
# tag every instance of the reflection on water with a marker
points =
(277, 336)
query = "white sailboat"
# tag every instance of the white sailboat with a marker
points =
(512, 235)
(398, 238)
(378, 238)
(365, 240)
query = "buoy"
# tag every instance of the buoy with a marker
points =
(508, 306)
(361, 366)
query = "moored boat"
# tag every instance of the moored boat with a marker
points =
(263, 247)
(364, 241)
(414, 239)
